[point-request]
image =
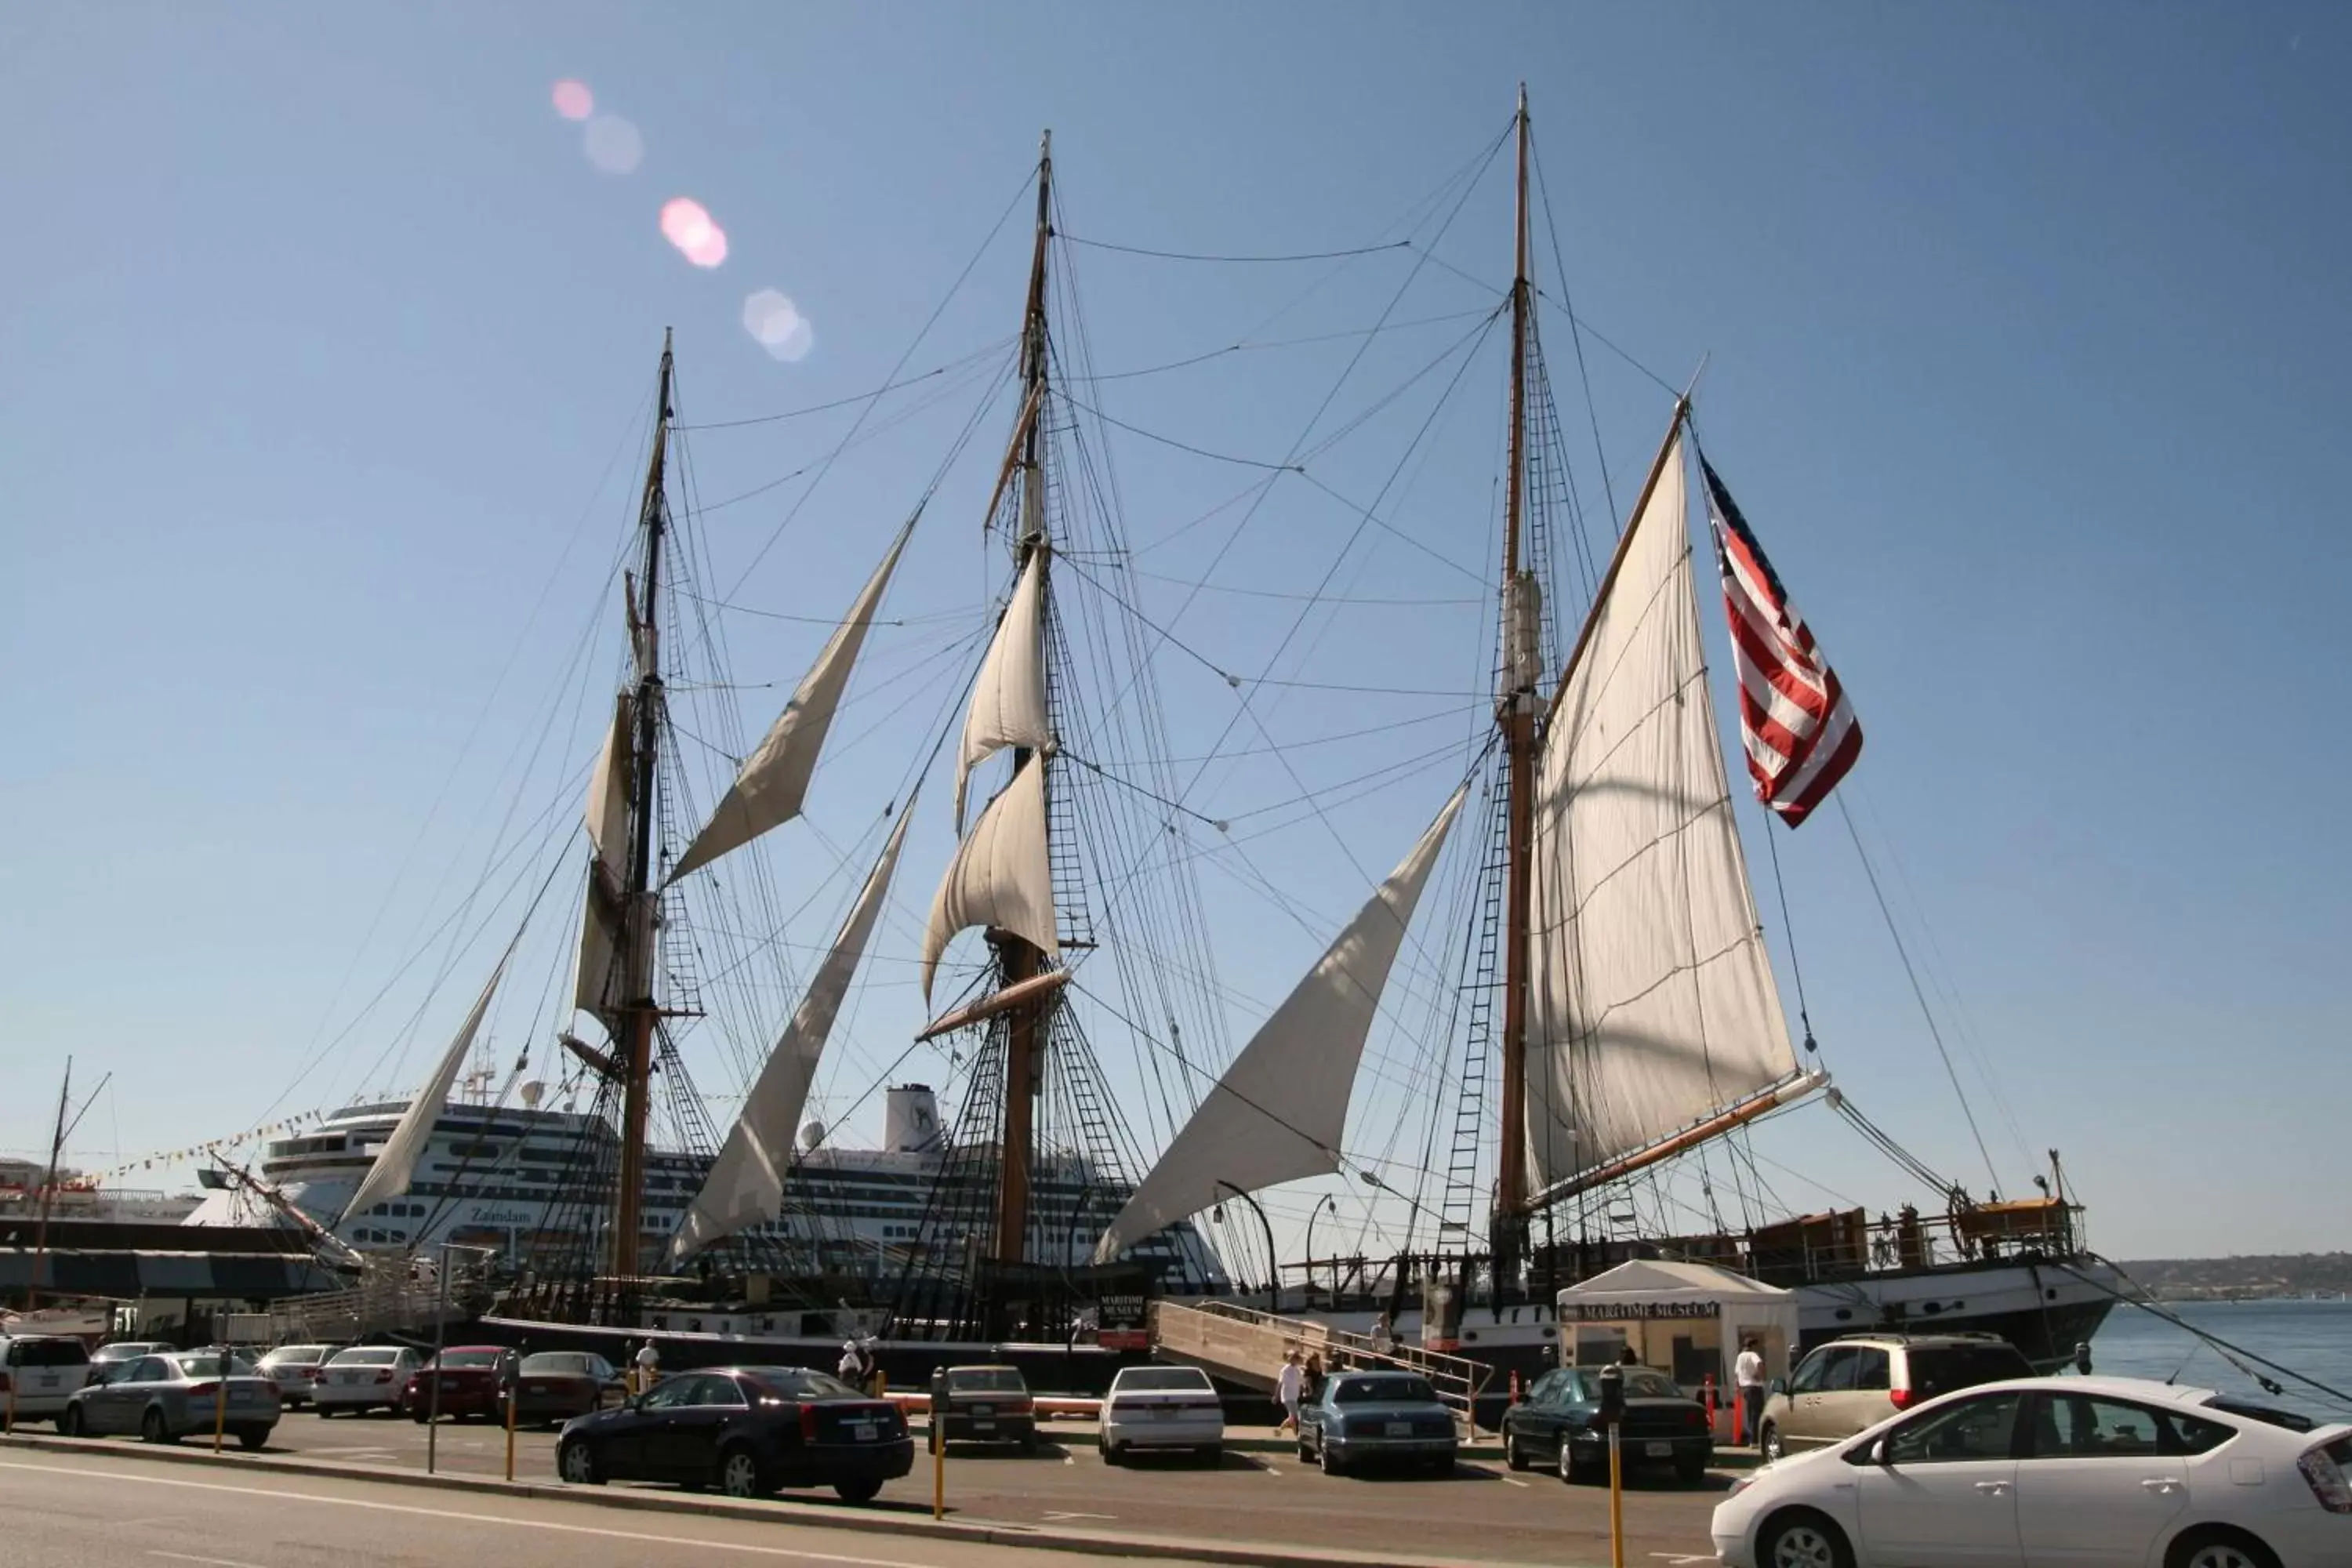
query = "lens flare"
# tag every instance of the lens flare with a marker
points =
(573, 100)
(771, 318)
(685, 225)
(613, 145)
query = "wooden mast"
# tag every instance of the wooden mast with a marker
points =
(1019, 959)
(48, 1192)
(1515, 713)
(639, 1010)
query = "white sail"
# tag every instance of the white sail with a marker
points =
(389, 1176)
(773, 781)
(1652, 1005)
(1277, 1113)
(601, 921)
(1000, 876)
(1008, 697)
(746, 1184)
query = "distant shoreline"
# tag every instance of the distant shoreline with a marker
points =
(2290, 1277)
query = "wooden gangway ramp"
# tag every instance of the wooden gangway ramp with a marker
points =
(1244, 1346)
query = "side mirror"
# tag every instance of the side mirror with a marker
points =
(1881, 1453)
(2083, 1357)
(1778, 1386)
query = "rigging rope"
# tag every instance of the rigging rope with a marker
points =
(2237, 1355)
(1196, 255)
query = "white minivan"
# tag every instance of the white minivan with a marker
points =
(38, 1373)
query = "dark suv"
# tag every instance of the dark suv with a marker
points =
(1856, 1382)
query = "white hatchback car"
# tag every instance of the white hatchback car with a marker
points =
(1161, 1408)
(2077, 1470)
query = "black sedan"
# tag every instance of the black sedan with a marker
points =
(1560, 1425)
(746, 1430)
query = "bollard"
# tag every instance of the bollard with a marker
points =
(1710, 1398)
(513, 1391)
(1515, 1388)
(9, 1372)
(220, 1399)
(939, 1442)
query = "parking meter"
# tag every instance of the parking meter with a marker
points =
(1612, 1396)
(939, 1442)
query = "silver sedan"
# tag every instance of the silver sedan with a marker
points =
(163, 1398)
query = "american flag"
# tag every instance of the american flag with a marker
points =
(1798, 728)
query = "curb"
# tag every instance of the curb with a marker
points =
(978, 1532)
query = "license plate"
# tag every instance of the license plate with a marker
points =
(240, 1396)
(49, 1380)
(980, 1410)
(536, 1388)
(1168, 1413)
(1400, 1428)
(862, 1431)
(1659, 1450)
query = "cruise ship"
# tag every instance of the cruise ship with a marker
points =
(506, 1178)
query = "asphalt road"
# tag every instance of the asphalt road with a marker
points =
(97, 1510)
(1481, 1512)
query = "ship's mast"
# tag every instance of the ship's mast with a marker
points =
(48, 1192)
(1017, 958)
(1514, 712)
(640, 1012)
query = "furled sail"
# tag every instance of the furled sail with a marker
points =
(602, 921)
(746, 1184)
(768, 791)
(1278, 1111)
(1008, 697)
(1652, 1005)
(389, 1176)
(1000, 876)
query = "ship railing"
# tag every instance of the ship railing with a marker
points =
(1848, 1245)
(1250, 1344)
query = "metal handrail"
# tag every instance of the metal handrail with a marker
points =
(1457, 1380)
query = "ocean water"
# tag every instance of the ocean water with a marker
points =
(2314, 1338)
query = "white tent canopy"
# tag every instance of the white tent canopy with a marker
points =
(1687, 1319)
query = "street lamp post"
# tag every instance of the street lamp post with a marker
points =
(1274, 1286)
(1332, 1205)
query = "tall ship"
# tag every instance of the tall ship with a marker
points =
(1564, 987)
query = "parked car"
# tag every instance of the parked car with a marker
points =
(363, 1378)
(1361, 1418)
(1161, 1408)
(295, 1369)
(746, 1430)
(555, 1385)
(1857, 1380)
(165, 1397)
(462, 1381)
(990, 1404)
(39, 1373)
(1558, 1424)
(2055, 1469)
(128, 1350)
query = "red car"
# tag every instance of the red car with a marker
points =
(465, 1380)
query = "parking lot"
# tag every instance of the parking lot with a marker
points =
(1478, 1511)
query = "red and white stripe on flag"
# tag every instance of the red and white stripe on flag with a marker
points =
(1798, 728)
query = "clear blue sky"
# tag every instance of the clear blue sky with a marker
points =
(324, 342)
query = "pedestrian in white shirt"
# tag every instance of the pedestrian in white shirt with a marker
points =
(1748, 1372)
(649, 1366)
(1287, 1388)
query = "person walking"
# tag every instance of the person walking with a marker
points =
(851, 1367)
(1310, 1377)
(1748, 1372)
(1286, 1389)
(649, 1366)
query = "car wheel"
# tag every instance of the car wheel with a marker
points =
(324, 1412)
(576, 1462)
(1110, 1454)
(153, 1428)
(69, 1423)
(2219, 1548)
(1514, 1456)
(1306, 1454)
(1326, 1458)
(858, 1491)
(252, 1438)
(1690, 1468)
(1801, 1539)
(1768, 1446)
(420, 1416)
(1214, 1454)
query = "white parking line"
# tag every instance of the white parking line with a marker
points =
(1513, 1480)
(214, 1561)
(116, 1477)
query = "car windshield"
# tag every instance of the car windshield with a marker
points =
(128, 1350)
(210, 1366)
(797, 1383)
(471, 1358)
(366, 1358)
(1383, 1391)
(986, 1380)
(1941, 1369)
(295, 1355)
(47, 1352)
(555, 1363)
(1639, 1383)
(1159, 1379)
